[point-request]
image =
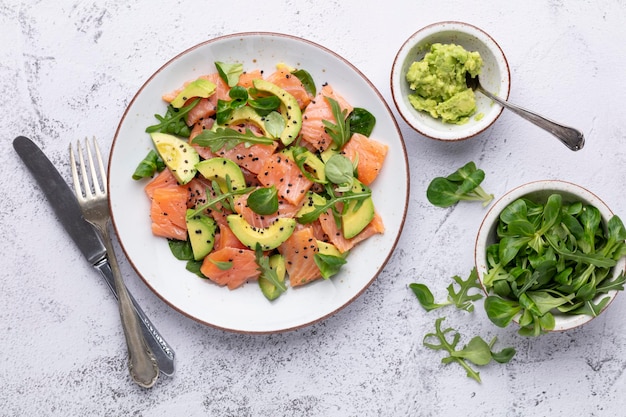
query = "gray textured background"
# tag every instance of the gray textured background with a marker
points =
(69, 68)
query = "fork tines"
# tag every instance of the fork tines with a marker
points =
(98, 186)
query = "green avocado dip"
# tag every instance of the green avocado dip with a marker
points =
(438, 82)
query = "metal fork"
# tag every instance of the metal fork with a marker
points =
(93, 200)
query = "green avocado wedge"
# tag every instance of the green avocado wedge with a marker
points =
(199, 88)
(269, 237)
(290, 110)
(201, 229)
(178, 155)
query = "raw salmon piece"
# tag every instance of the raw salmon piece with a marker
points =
(335, 236)
(163, 179)
(283, 78)
(282, 172)
(167, 212)
(371, 155)
(299, 252)
(251, 158)
(245, 79)
(207, 106)
(313, 131)
(203, 110)
(200, 126)
(226, 238)
(251, 178)
(261, 221)
(197, 192)
(166, 206)
(244, 267)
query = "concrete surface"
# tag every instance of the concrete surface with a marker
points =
(69, 68)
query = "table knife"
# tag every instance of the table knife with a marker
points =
(69, 213)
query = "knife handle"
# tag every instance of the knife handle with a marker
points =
(163, 353)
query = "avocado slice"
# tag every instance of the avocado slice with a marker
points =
(198, 88)
(245, 114)
(269, 237)
(290, 110)
(313, 163)
(327, 248)
(219, 169)
(179, 156)
(201, 229)
(353, 222)
(328, 153)
(310, 201)
(269, 290)
(329, 259)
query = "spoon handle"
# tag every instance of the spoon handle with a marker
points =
(572, 138)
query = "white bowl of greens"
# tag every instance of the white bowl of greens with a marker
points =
(550, 256)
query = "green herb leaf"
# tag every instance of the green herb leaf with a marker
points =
(503, 356)
(150, 165)
(500, 311)
(266, 270)
(226, 199)
(425, 297)
(274, 124)
(230, 73)
(339, 170)
(265, 105)
(263, 200)
(307, 81)
(361, 121)
(194, 266)
(221, 265)
(226, 138)
(181, 249)
(339, 131)
(461, 298)
(329, 265)
(476, 351)
(463, 184)
(174, 121)
(331, 202)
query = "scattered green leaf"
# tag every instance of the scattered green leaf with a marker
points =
(462, 299)
(477, 351)
(463, 184)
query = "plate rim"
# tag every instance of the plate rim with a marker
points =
(393, 120)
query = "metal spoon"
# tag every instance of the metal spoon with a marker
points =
(570, 137)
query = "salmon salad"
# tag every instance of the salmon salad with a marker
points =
(262, 177)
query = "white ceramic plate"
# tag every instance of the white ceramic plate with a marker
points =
(246, 309)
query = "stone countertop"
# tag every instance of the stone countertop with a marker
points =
(68, 69)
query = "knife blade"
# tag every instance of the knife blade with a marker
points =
(69, 213)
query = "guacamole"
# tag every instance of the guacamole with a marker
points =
(438, 82)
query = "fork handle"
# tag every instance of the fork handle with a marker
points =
(570, 137)
(142, 364)
(163, 352)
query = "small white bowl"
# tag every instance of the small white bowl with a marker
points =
(539, 191)
(494, 77)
